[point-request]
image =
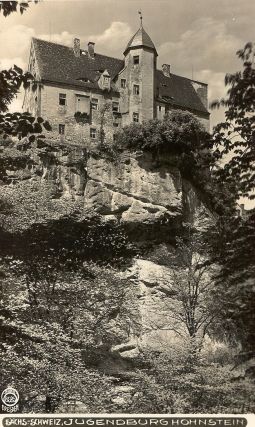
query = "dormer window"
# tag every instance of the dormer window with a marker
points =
(136, 59)
(104, 81)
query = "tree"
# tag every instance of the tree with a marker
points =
(51, 331)
(232, 240)
(187, 305)
(8, 7)
(181, 138)
(17, 124)
(193, 280)
(234, 139)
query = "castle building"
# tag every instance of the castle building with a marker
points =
(82, 92)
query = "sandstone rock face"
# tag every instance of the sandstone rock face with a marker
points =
(134, 190)
(65, 167)
(157, 304)
(152, 200)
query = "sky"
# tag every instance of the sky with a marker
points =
(197, 38)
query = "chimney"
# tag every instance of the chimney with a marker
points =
(166, 70)
(91, 52)
(76, 47)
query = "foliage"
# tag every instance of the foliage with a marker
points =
(17, 124)
(81, 117)
(183, 138)
(55, 316)
(170, 386)
(234, 242)
(234, 139)
(193, 288)
(42, 223)
(179, 133)
(8, 7)
(187, 303)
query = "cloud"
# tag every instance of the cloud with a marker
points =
(64, 38)
(208, 48)
(6, 63)
(15, 41)
(208, 44)
(216, 87)
(111, 41)
(114, 39)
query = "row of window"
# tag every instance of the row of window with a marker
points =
(61, 127)
(95, 101)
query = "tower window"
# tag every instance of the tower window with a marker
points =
(93, 133)
(136, 89)
(123, 83)
(61, 129)
(62, 99)
(136, 59)
(115, 106)
(136, 117)
(94, 104)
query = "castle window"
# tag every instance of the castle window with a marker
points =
(61, 129)
(136, 89)
(94, 104)
(136, 59)
(115, 106)
(159, 108)
(123, 83)
(82, 104)
(116, 125)
(106, 79)
(93, 132)
(62, 99)
(136, 117)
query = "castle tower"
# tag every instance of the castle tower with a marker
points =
(140, 65)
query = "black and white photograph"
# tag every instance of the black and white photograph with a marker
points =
(127, 209)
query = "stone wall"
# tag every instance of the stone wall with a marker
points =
(77, 132)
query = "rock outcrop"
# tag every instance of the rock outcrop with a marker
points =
(153, 201)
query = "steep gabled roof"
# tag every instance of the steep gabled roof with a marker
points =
(178, 91)
(140, 38)
(58, 64)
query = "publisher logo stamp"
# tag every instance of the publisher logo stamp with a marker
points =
(10, 399)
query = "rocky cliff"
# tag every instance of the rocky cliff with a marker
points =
(153, 201)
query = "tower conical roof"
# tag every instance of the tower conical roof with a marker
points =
(140, 38)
